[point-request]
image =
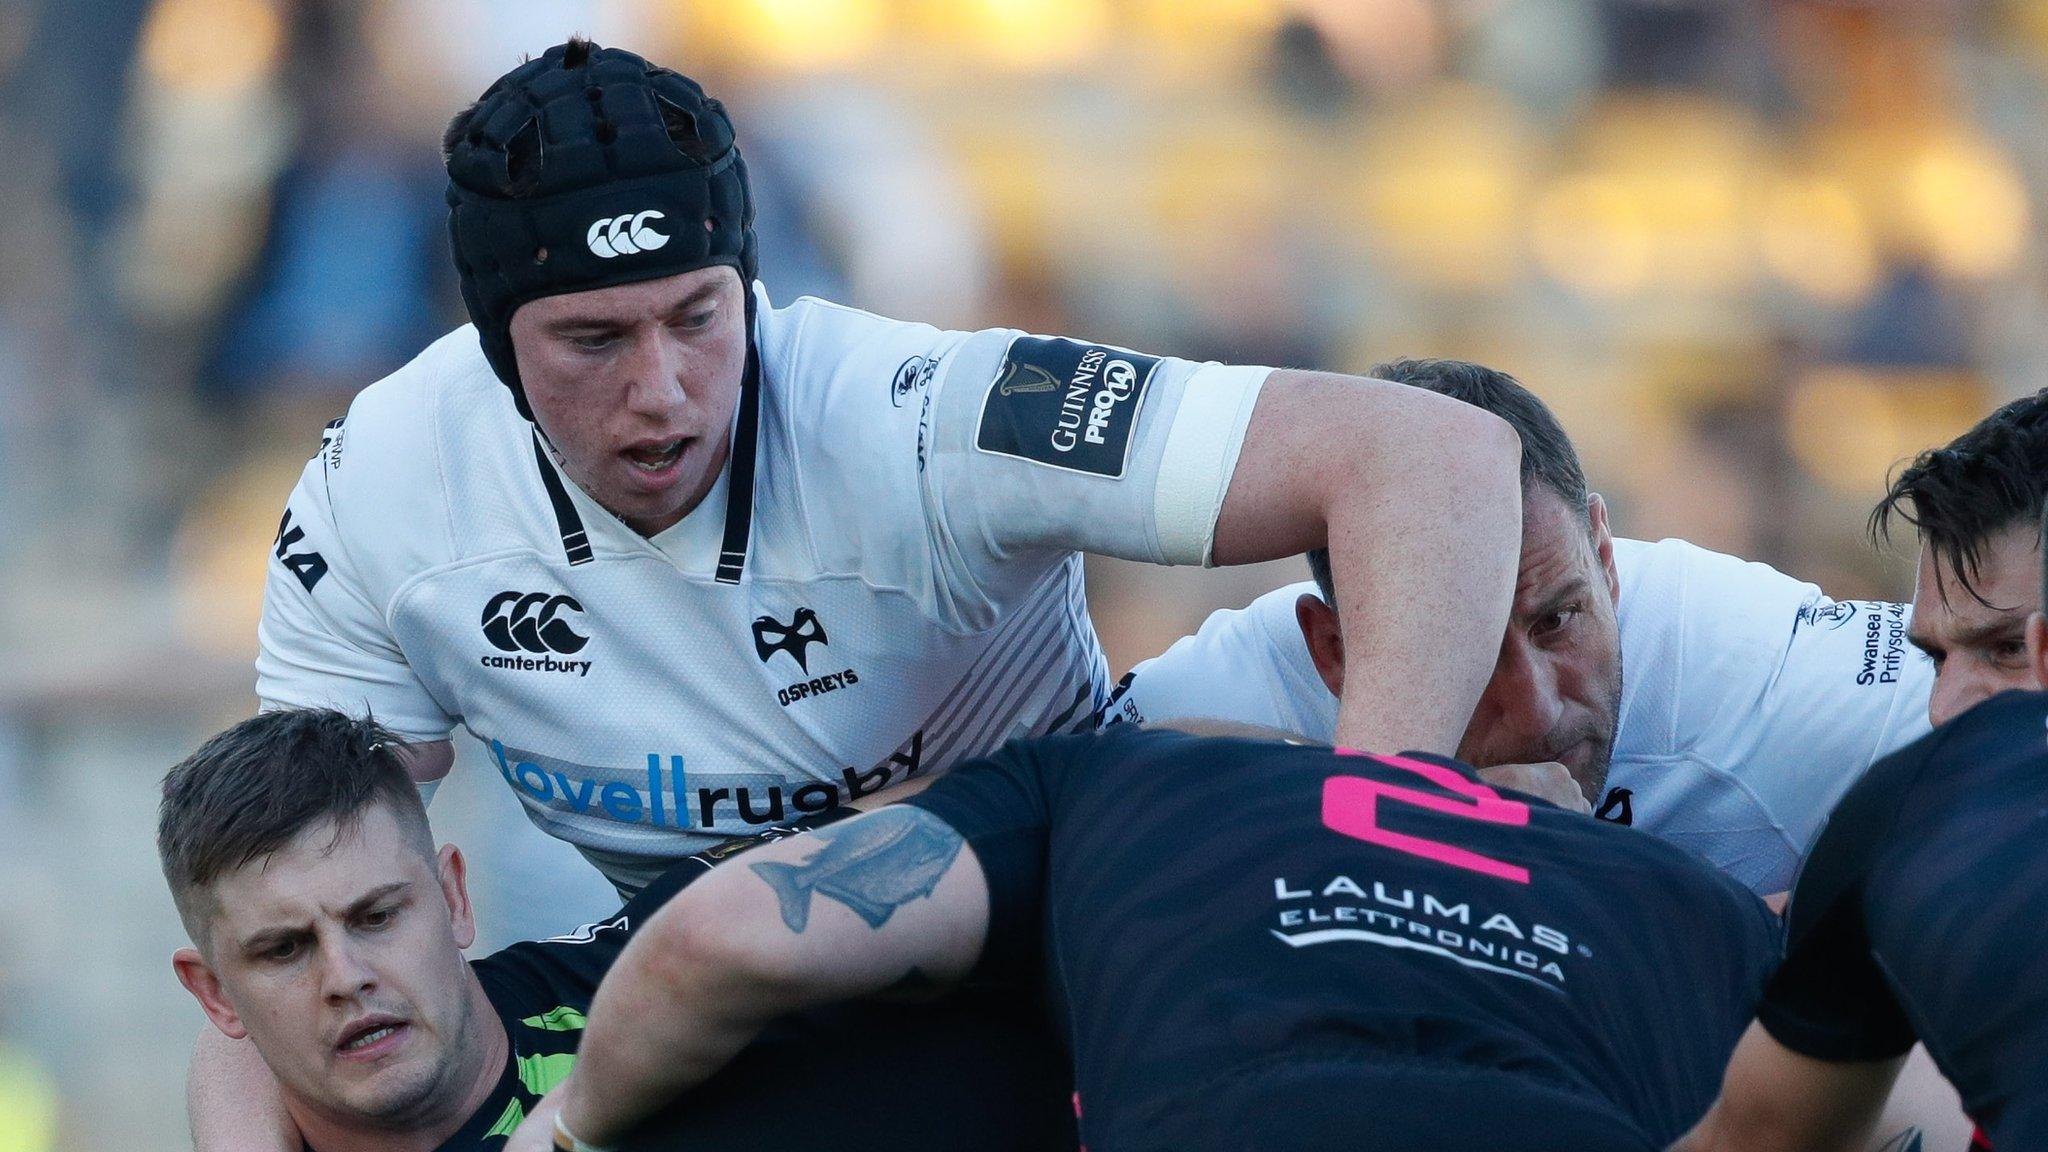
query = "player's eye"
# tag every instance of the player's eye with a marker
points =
(281, 951)
(1551, 623)
(2009, 651)
(379, 917)
(593, 342)
(698, 319)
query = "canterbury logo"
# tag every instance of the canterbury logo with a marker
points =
(625, 235)
(1026, 378)
(532, 622)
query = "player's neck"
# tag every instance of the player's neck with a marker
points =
(468, 1088)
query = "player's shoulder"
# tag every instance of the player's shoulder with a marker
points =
(1957, 810)
(1976, 758)
(845, 404)
(817, 354)
(1995, 754)
(1671, 582)
(1703, 632)
(394, 443)
(1248, 664)
(1263, 622)
(433, 436)
(534, 974)
(1164, 752)
(1261, 630)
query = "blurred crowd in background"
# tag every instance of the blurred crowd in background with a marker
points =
(1754, 252)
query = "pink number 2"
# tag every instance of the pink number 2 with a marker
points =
(1351, 807)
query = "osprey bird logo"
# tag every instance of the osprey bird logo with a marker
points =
(1616, 808)
(802, 631)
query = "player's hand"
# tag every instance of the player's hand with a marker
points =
(1550, 780)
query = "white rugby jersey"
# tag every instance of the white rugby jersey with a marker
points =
(1749, 700)
(903, 589)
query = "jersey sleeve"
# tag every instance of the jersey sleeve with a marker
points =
(1249, 665)
(1000, 806)
(1053, 444)
(323, 640)
(962, 466)
(1830, 999)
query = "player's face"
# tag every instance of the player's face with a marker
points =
(1979, 647)
(1556, 688)
(342, 961)
(636, 387)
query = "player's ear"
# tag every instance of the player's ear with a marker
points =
(1603, 542)
(454, 875)
(2037, 648)
(204, 986)
(1325, 638)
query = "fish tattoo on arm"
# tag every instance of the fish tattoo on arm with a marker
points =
(873, 865)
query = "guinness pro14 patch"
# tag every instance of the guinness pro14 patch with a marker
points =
(1065, 405)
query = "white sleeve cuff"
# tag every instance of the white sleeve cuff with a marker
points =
(1200, 455)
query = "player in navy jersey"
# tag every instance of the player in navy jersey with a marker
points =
(1922, 913)
(1246, 944)
(329, 932)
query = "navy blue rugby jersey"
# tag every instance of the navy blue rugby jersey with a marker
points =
(976, 1072)
(1923, 913)
(1203, 906)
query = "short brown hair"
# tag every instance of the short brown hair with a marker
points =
(250, 790)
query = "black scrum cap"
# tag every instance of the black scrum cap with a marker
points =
(589, 168)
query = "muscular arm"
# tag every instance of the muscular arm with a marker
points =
(1776, 1100)
(1417, 497)
(848, 911)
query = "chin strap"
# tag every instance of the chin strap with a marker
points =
(567, 1141)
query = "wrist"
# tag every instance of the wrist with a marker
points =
(567, 1141)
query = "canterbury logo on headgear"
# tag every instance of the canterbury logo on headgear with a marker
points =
(625, 235)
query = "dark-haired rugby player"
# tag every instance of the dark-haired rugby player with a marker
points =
(329, 931)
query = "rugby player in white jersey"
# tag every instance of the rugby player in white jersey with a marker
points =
(685, 562)
(1717, 703)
